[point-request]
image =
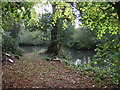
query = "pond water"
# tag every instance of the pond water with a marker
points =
(72, 54)
(29, 49)
(84, 55)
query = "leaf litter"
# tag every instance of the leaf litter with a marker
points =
(37, 73)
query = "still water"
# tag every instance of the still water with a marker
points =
(29, 49)
(72, 54)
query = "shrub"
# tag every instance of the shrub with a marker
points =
(84, 39)
(32, 38)
(10, 44)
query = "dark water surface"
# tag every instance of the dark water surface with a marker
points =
(72, 54)
(81, 54)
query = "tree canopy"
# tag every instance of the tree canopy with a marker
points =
(100, 19)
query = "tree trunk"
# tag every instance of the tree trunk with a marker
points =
(53, 47)
(15, 30)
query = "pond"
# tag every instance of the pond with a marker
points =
(29, 49)
(84, 55)
(72, 54)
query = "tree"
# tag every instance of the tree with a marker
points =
(116, 6)
(62, 13)
(53, 47)
(104, 19)
(12, 14)
(101, 20)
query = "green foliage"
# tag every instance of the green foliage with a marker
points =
(62, 18)
(65, 61)
(14, 12)
(64, 12)
(43, 23)
(106, 30)
(34, 38)
(47, 57)
(100, 17)
(65, 36)
(9, 44)
(102, 75)
(84, 39)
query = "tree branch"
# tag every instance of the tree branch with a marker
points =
(106, 9)
(111, 3)
(72, 3)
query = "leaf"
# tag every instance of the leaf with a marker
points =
(95, 62)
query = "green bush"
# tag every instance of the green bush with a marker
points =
(84, 39)
(9, 44)
(33, 38)
(47, 57)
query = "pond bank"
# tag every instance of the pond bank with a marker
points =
(70, 53)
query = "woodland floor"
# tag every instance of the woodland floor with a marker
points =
(33, 72)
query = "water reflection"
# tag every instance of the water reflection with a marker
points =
(29, 49)
(84, 55)
(78, 62)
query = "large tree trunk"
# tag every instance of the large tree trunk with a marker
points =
(15, 30)
(53, 47)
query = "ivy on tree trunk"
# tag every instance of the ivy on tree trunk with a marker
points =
(53, 47)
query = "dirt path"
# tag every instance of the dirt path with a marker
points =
(32, 72)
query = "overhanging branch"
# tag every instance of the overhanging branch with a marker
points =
(111, 3)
